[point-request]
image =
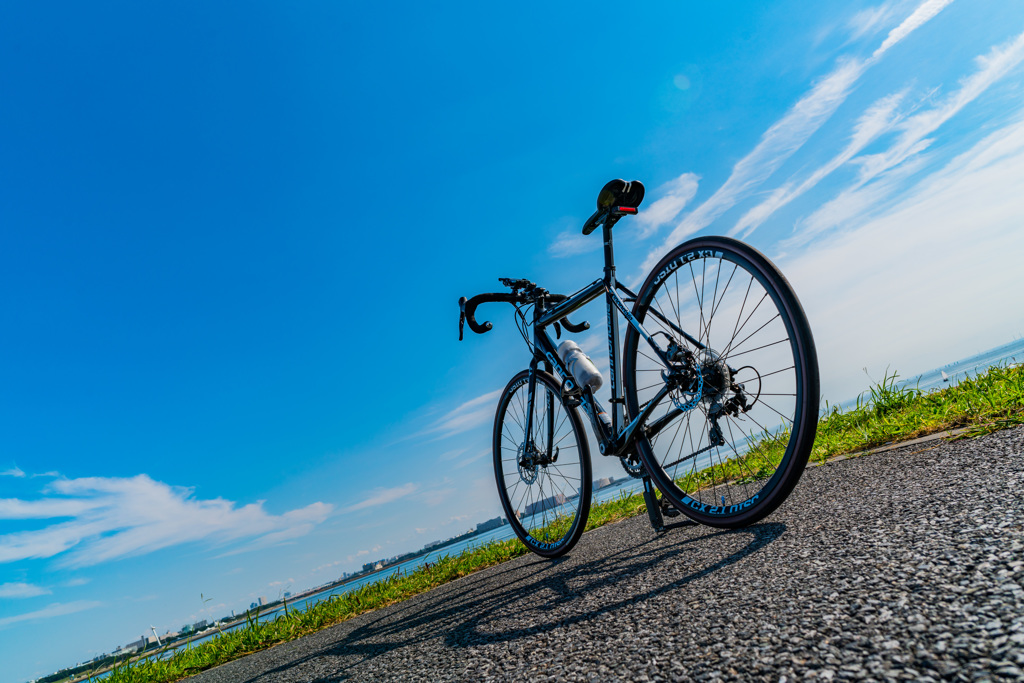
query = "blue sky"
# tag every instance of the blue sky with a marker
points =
(232, 237)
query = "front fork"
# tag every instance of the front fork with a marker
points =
(550, 453)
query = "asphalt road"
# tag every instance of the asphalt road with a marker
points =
(904, 565)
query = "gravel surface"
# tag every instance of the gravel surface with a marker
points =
(905, 565)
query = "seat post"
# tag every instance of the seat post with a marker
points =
(613, 328)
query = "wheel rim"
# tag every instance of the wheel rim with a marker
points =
(544, 495)
(731, 307)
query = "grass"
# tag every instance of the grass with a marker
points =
(890, 413)
(887, 413)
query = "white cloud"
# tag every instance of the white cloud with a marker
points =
(945, 258)
(472, 413)
(435, 497)
(991, 67)
(452, 454)
(14, 508)
(869, 21)
(777, 144)
(789, 133)
(924, 12)
(21, 590)
(55, 610)
(903, 157)
(572, 241)
(113, 518)
(383, 496)
(879, 118)
(473, 458)
(673, 196)
(16, 471)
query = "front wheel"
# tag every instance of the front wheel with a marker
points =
(543, 474)
(730, 440)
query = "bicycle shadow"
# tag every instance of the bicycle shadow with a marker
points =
(525, 599)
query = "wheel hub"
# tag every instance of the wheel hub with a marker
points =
(527, 457)
(716, 375)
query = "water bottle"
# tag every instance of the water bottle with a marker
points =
(579, 365)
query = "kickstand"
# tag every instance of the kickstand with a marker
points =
(653, 506)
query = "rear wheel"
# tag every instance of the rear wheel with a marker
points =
(543, 476)
(729, 444)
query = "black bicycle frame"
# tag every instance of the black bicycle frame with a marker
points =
(617, 442)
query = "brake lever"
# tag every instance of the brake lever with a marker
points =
(462, 315)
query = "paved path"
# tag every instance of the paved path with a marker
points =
(902, 565)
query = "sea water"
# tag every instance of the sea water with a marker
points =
(1007, 354)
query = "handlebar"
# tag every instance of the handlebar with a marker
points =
(467, 310)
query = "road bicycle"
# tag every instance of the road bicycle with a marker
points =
(716, 406)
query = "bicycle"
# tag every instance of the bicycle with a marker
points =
(720, 419)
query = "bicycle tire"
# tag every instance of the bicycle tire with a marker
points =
(546, 504)
(738, 482)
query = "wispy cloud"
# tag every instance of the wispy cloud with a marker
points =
(21, 590)
(672, 197)
(473, 458)
(870, 20)
(789, 133)
(452, 454)
(920, 16)
(472, 413)
(55, 610)
(572, 241)
(958, 226)
(17, 472)
(437, 496)
(866, 194)
(113, 518)
(991, 67)
(362, 553)
(384, 496)
(878, 119)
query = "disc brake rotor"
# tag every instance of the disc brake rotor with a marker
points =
(527, 467)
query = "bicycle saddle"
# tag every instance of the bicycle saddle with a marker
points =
(615, 193)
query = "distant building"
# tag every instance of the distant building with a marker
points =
(136, 644)
(548, 503)
(489, 524)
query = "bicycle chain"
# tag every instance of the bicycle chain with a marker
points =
(635, 471)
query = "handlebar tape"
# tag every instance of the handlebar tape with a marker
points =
(575, 328)
(467, 312)
(469, 309)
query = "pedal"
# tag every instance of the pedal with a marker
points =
(668, 510)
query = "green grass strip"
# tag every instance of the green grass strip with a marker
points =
(887, 413)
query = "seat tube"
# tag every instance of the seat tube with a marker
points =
(613, 330)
